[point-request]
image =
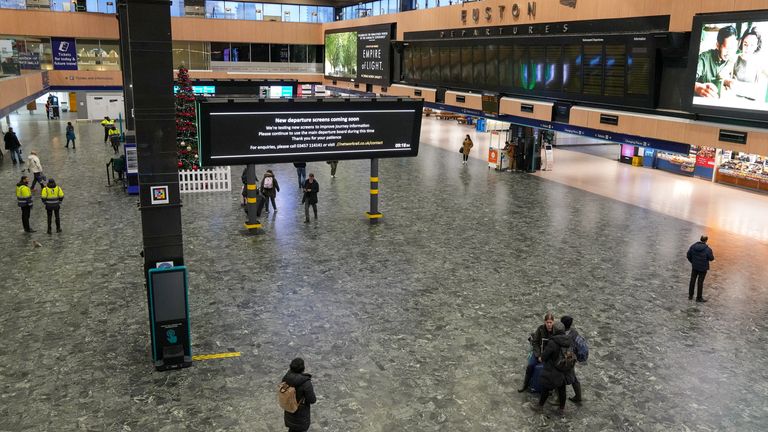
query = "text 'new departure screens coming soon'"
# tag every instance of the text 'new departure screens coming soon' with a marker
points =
(290, 131)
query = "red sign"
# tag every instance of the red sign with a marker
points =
(705, 157)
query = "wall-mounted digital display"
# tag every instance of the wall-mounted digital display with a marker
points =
(199, 90)
(728, 67)
(604, 68)
(361, 54)
(307, 130)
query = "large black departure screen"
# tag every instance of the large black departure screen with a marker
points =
(272, 131)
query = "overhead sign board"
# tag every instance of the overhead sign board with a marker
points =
(236, 132)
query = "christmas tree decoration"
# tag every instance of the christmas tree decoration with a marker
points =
(186, 130)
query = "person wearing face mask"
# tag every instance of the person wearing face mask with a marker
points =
(539, 340)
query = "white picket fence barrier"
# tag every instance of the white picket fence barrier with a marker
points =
(216, 179)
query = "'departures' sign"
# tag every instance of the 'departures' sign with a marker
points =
(274, 131)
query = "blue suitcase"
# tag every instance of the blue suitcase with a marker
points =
(536, 378)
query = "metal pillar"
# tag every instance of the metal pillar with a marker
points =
(373, 215)
(252, 203)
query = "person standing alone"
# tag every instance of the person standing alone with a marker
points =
(699, 255)
(70, 135)
(311, 188)
(301, 383)
(269, 188)
(466, 146)
(24, 200)
(13, 145)
(52, 196)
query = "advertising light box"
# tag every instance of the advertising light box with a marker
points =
(361, 54)
(728, 66)
(236, 132)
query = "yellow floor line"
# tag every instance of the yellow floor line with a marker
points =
(216, 356)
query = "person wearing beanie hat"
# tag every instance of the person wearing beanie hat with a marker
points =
(551, 377)
(305, 394)
(570, 377)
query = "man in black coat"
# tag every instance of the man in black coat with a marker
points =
(551, 377)
(13, 145)
(699, 255)
(305, 395)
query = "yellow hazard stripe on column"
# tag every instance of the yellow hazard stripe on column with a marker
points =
(374, 191)
(252, 200)
(252, 226)
(374, 179)
(373, 215)
(251, 187)
(216, 356)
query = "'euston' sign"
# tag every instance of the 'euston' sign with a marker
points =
(487, 14)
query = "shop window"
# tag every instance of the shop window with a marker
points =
(240, 52)
(199, 56)
(260, 52)
(315, 54)
(180, 52)
(298, 53)
(89, 54)
(220, 51)
(272, 12)
(110, 55)
(279, 53)
(291, 13)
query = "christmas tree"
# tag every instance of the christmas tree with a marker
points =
(186, 130)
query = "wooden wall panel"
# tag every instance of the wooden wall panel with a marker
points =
(42, 23)
(14, 90)
(512, 106)
(201, 29)
(672, 130)
(579, 117)
(66, 78)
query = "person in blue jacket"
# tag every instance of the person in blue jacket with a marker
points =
(699, 255)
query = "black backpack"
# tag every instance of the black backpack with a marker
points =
(566, 359)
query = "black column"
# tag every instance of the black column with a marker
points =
(147, 31)
(125, 63)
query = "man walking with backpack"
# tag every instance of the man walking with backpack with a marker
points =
(559, 360)
(295, 395)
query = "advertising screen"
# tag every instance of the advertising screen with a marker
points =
(361, 54)
(307, 130)
(729, 65)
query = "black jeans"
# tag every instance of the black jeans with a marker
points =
(297, 430)
(38, 178)
(464, 157)
(333, 167)
(697, 275)
(306, 209)
(25, 212)
(267, 199)
(50, 212)
(68, 141)
(560, 395)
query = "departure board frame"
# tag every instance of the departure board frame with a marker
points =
(520, 47)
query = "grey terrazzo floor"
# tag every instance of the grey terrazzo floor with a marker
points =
(418, 324)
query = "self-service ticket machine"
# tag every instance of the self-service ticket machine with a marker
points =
(169, 318)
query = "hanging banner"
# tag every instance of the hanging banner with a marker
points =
(64, 54)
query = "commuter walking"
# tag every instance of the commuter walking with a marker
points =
(70, 135)
(114, 138)
(24, 200)
(107, 124)
(36, 168)
(699, 255)
(299, 383)
(557, 363)
(52, 196)
(301, 172)
(334, 165)
(13, 145)
(466, 146)
(570, 377)
(311, 188)
(269, 188)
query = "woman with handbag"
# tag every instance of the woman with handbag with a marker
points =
(466, 146)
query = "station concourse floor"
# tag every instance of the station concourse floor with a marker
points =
(417, 324)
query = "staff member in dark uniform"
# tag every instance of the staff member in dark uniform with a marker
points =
(52, 196)
(24, 200)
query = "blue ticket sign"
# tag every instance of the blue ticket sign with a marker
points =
(64, 54)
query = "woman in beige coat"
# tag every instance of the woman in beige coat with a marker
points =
(466, 146)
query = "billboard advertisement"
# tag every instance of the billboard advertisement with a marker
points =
(728, 68)
(307, 130)
(361, 55)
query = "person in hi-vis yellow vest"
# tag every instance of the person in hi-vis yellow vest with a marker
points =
(52, 197)
(24, 200)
